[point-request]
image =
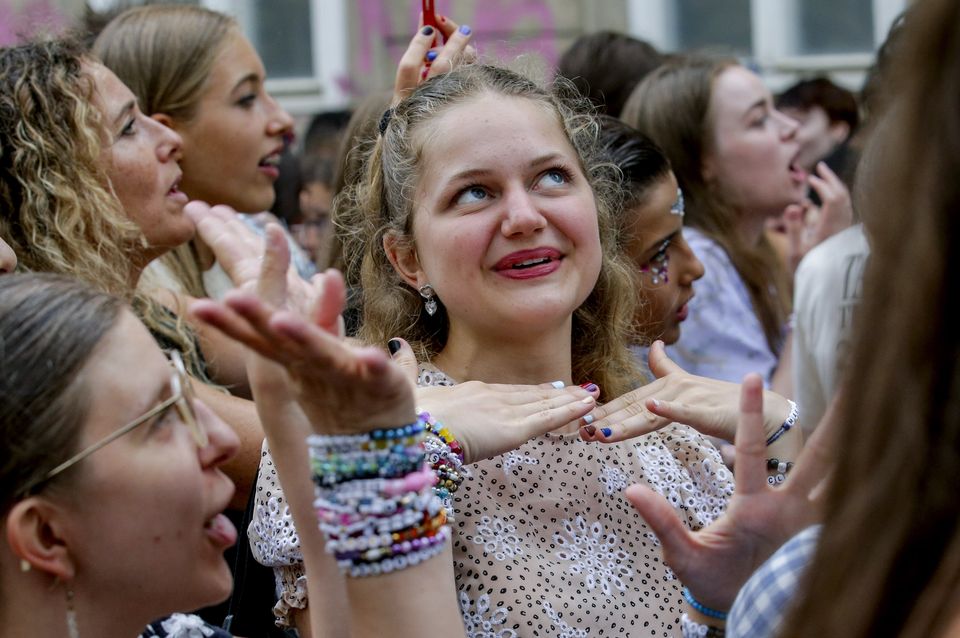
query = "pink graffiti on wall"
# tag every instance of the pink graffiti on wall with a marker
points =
(499, 17)
(28, 19)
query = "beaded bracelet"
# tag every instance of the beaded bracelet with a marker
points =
(790, 421)
(399, 562)
(703, 609)
(692, 629)
(445, 455)
(780, 469)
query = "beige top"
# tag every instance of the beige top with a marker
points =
(545, 543)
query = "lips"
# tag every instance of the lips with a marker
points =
(270, 164)
(175, 192)
(529, 264)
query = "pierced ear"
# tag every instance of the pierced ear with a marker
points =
(403, 257)
(35, 535)
(165, 119)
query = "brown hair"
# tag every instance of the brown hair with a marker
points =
(165, 53)
(606, 66)
(59, 212)
(383, 203)
(888, 561)
(50, 326)
(672, 105)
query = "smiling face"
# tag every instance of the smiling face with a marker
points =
(655, 244)
(752, 150)
(151, 496)
(140, 156)
(233, 142)
(505, 222)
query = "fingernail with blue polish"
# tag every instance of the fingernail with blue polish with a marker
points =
(606, 431)
(588, 419)
(431, 56)
(394, 346)
(465, 30)
(559, 385)
(427, 30)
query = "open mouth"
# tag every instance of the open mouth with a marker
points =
(530, 263)
(272, 161)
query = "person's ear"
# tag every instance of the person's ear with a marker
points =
(404, 259)
(839, 131)
(165, 119)
(35, 530)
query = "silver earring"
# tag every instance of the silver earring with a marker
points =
(73, 631)
(429, 299)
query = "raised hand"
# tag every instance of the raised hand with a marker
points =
(717, 560)
(239, 251)
(707, 405)
(340, 388)
(808, 225)
(415, 66)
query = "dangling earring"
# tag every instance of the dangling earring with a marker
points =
(72, 630)
(429, 299)
(24, 565)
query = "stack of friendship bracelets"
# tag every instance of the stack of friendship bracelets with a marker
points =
(382, 498)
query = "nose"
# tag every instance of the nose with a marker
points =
(223, 441)
(279, 122)
(788, 125)
(169, 142)
(8, 258)
(521, 216)
(690, 268)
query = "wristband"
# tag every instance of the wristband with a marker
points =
(787, 424)
(701, 608)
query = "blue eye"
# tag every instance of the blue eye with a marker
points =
(472, 195)
(553, 177)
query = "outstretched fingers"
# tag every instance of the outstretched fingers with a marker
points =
(751, 445)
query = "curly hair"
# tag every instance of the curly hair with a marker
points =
(59, 214)
(383, 202)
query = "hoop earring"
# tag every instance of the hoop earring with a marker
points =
(429, 299)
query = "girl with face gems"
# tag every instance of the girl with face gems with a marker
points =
(734, 156)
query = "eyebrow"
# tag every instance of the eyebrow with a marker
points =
(249, 77)
(481, 172)
(129, 106)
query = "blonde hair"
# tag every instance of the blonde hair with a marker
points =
(383, 203)
(59, 211)
(165, 54)
(672, 106)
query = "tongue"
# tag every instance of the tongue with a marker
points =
(221, 530)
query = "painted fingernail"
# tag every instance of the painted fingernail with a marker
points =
(588, 419)
(559, 385)
(427, 30)
(606, 431)
(590, 386)
(589, 429)
(656, 403)
(465, 30)
(431, 55)
(587, 400)
(394, 346)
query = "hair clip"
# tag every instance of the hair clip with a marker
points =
(385, 120)
(677, 208)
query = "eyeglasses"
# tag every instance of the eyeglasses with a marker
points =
(181, 398)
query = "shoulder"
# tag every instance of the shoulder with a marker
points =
(832, 252)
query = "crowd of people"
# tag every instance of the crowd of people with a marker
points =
(610, 354)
